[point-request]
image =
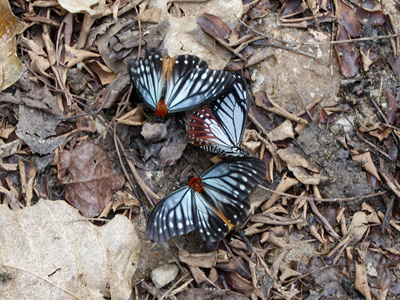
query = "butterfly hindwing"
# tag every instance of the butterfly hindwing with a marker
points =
(147, 75)
(174, 215)
(231, 111)
(209, 225)
(220, 129)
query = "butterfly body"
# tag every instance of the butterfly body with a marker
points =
(184, 82)
(213, 203)
(220, 129)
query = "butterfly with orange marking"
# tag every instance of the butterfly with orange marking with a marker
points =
(180, 83)
(213, 203)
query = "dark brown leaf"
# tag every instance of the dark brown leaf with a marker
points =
(88, 179)
(214, 26)
(347, 54)
(347, 19)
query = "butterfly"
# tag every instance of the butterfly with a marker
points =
(180, 83)
(220, 129)
(213, 203)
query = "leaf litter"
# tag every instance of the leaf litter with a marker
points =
(324, 120)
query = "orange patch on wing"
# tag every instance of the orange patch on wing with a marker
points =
(195, 183)
(223, 218)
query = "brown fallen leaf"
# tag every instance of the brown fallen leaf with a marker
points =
(203, 260)
(347, 53)
(214, 26)
(10, 65)
(151, 15)
(368, 165)
(361, 280)
(134, 117)
(303, 169)
(74, 56)
(88, 179)
(78, 259)
(282, 132)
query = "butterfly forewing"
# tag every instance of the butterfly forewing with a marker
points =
(147, 75)
(220, 129)
(231, 182)
(196, 87)
(174, 215)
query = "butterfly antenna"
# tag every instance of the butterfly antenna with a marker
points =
(246, 241)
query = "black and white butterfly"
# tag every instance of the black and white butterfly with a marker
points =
(175, 84)
(213, 204)
(220, 129)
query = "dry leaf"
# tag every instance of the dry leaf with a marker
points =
(134, 117)
(366, 161)
(10, 66)
(63, 255)
(283, 131)
(80, 6)
(37, 129)
(204, 260)
(88, 179)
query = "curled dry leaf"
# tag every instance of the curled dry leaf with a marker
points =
(366, 161)
(88, 179)
(134, 117)
(282, 132)
(300, 166)
(62, 254)
(347, 53)
(10, 65)
(361, 280)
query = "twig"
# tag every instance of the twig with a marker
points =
(379, 37)
(324, 199)
(373, 146)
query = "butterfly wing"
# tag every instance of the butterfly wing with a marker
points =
(191, 85)
(208, 133)
(210, 226)
(220, 129)
(147, 76)
(231, 111)
(230, 182)
(174, 215)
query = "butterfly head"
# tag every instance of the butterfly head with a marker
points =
(161, 109)
(195, 183)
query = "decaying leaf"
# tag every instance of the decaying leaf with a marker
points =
(88, 179)
(63, 255)
(10, 65)
(37, 129)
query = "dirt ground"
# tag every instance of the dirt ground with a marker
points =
(323, 117)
